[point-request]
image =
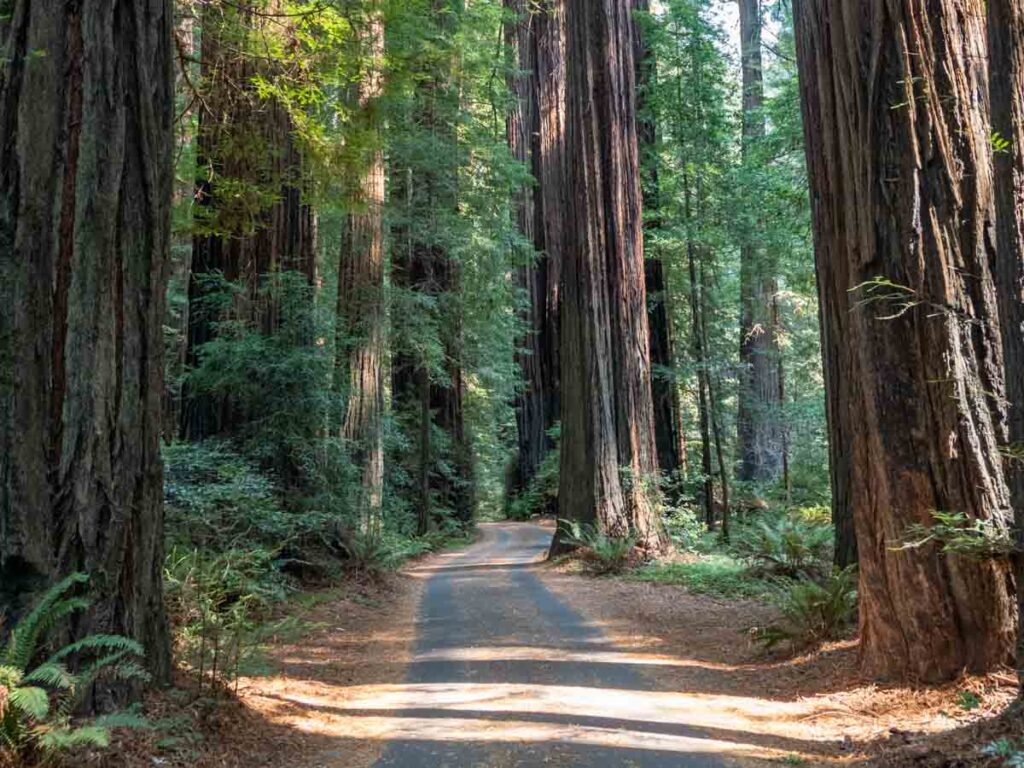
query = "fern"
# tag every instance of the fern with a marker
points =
(36, 705)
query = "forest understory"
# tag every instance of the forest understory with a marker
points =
(813, 707)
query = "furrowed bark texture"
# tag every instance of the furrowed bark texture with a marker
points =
(897, 150)
(1006, 78)
(534, 128)
(759, 422)
(607, 412)
(86, 112)
(246, 148)
(664, 392)
(360, 349)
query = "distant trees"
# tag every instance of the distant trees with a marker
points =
(899, 162)
(607, 408)
(86, 113)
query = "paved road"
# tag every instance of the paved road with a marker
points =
(506, 674)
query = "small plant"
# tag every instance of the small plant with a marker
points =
(1007, 751)
(968, 700)
(602, 553)
(368, 553)
(37, 702)
(957, 534)
(786, 546)
(813, 612)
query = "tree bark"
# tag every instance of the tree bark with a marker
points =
(897, 152)
(607, 411)
(1006, 79)
(534, 129)
(759, 424)
(86, 114)
(360, 312)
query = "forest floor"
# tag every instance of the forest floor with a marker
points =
(491, 658)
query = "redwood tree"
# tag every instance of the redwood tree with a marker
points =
(759, 422)
(86, 114)
(901, 185)
(534, 125)
(607, 411)
(1006, 68)
(360, 347)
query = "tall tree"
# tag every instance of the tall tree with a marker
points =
(1006, 77)
(536, 81)
(86, 114)
(251, 218)
(664, 390)
(427, 375)
(360, 310)
(897, 154)
(761, 444)
(607, 411)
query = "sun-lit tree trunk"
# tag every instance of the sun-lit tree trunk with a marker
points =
(245, 148)
(607, 411)
(901, 184)
(86, 113)
(1006, 78)
(759, 422)
(360, 311)
(664, 390)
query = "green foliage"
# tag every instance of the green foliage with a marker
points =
(785, 546)
(957, 534)
(602, 553)
(713, 575)
(813, 612)
(39, 698)
(541, 494)
(1007, 751)
(968, 700)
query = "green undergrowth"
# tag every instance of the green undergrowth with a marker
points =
(713, 575)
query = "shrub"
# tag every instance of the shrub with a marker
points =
(715, 575)
(602, 553)
(786, 546)
(813, 612)
(37, 702)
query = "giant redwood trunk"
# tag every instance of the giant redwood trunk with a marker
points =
(607, 412)
(360, 316)
(1006, 62)
(534, 126)
(901, 183)
(664, 390)
(86, 113)
(759, 422)
(251, 218)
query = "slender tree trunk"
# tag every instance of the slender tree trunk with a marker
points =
(897, 152)
(1006, 62)
(664, 391)
(360, 317)
(86, 178)
(759, 421)
(607, 412)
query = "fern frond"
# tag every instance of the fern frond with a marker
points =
(122, 645)
(63, 738)
(51, 608)
(30, 701)
(51, 674)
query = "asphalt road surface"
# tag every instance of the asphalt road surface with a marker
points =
(507, 674)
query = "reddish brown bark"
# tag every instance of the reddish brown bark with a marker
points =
(360, 312)
(901, 186)
(86, 111)
(607, 411)
(1006, 67)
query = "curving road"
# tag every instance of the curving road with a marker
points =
(506, 674)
